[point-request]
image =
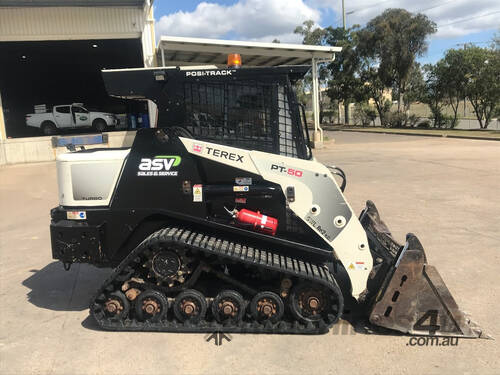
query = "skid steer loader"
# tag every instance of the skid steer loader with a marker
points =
(221, 219)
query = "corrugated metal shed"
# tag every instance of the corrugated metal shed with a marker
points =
(67, 23)
(75, 3)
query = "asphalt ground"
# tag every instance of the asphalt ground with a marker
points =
(444, 190)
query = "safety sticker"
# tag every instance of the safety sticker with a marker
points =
(359, 266)
(76, 215)
(240, 200)
(241, 188)
(198, 193)
(243, 180)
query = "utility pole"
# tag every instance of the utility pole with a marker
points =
(465, 99)
(343, 14)
(346, 105)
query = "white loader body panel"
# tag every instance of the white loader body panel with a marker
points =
(316, 197)
(89, 178)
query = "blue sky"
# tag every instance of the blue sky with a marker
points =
(459, 21)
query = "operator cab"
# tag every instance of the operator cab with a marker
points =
(250, 108)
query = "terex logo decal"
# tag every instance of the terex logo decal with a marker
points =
(224, 154)
(289, 171)
(197, 147)
(159, 166)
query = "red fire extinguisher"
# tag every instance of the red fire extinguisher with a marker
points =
(259, 222)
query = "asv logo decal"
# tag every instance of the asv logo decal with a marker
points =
(159, 166)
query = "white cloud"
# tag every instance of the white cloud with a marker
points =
(256, 20)
(443, 12)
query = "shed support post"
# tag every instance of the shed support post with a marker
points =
(3, 133)
(318, 132)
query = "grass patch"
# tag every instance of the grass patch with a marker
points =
(493, 134)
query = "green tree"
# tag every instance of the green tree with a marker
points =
(313, 36)
(376, 90)
(434, 94)
(414, 87)
(345, 81)
(395, 39)
(495, 43)
(310, 34)
(451, 71)
(482, 67)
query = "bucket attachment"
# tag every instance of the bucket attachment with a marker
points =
(413, 297)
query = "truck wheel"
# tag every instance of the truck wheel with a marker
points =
(49, 128)
(99, 125)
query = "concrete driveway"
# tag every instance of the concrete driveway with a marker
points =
(444, 190)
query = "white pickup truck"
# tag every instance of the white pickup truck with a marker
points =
(70, 116)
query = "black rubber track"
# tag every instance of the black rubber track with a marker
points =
(225, 249)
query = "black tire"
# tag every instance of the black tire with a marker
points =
(121, 303)
(197, 305)
(99, 125)
(228, 299)
(151, 299)
(267, 306)
(48, 128)
(305, 295)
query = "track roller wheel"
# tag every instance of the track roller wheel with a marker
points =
(116, 306)
(228, 306)
(311, 303)
(267, 306)
(151, 305)
(190, 305)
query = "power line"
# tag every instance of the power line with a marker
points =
(371, 6)
(435, 6)
(469, 19)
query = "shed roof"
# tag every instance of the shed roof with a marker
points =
(181, 50)
(71, 3)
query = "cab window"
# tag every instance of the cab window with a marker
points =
(64, 109)
(80, 110)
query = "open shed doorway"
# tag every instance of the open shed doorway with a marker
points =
(51, 73)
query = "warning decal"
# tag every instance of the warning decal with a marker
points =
(198, 193)
(76, 215)
(359, 266)
(241, 188)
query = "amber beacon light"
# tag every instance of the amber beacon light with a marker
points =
(234, 60)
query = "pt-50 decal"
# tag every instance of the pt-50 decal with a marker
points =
(159, 166)
(289, 171)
